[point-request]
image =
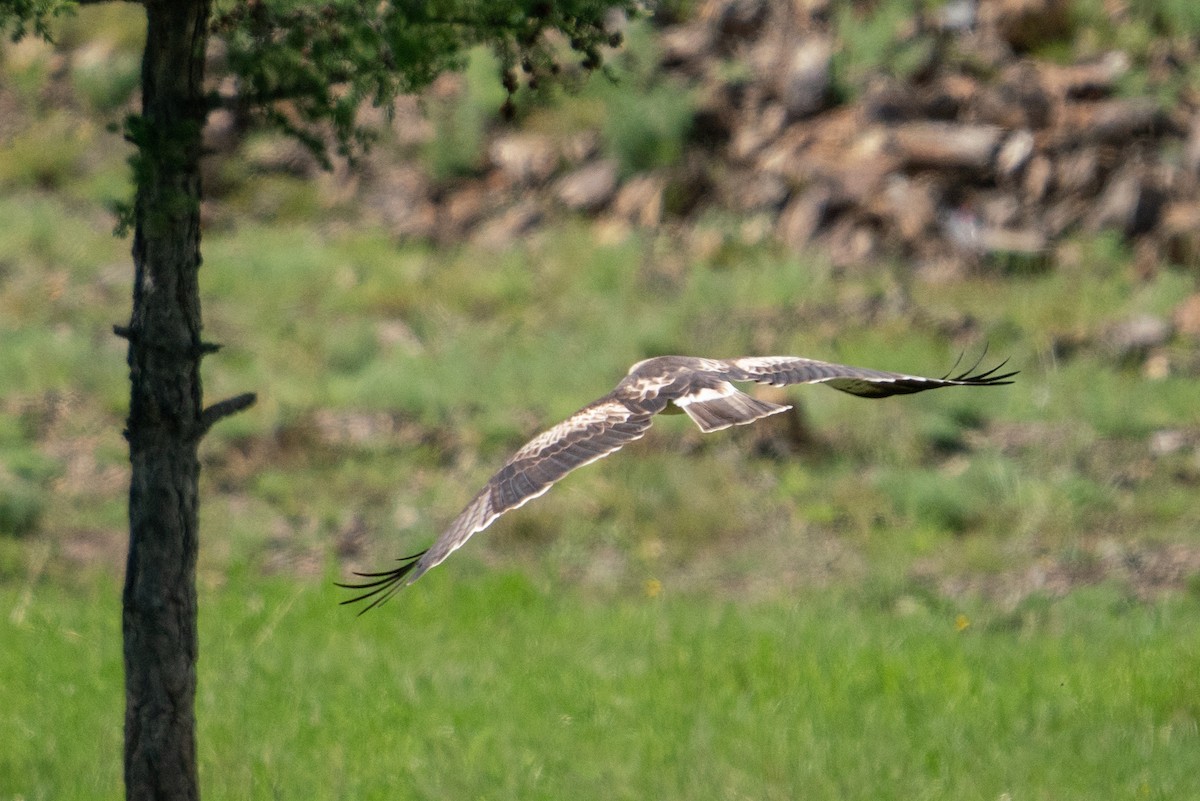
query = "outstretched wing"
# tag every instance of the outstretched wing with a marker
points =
(590, 434)
(867, 383)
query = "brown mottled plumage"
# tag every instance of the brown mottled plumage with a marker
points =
(700, 388)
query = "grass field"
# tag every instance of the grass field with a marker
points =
(930, 607)
(484, 686)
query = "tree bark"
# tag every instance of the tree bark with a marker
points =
(166, 413)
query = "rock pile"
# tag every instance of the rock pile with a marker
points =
(978, 149)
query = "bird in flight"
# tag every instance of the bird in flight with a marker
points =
(700, 388)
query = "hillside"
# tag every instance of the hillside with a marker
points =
(850, 182)
(960, 137)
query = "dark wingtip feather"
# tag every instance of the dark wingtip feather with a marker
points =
(986, 377)
(385, 584)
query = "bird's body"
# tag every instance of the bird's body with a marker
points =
(699, 388)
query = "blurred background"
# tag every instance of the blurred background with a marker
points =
(986, 593)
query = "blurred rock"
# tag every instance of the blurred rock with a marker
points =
(1157, 366)
(946, 145)
(957, 16)
(221, 132)
(590, 187)
(750, 191)
(1134, 338)
(525, 159)
(461, 210)
(733, 21)
(280, 154)
(889, 100)
(640, 201)
(1128, 203)
(1023, 241)
(1186, 316)
(913, 204)
(1014, 153)
(1077, 172)
(757, 131)
(787, 434)
(985, 146)
(803, 217)
(350, 537)
(683, 47)
(850, 243)
(509, 226)
(409, 125)
(1167, 441)
(399, 195)
(1037, 181)
(1180, 232)
(1024, 24)
(804, 81)
(1018, 102)
(580, 146)
(1108, 121)
(1087, 80)
(1191, 151)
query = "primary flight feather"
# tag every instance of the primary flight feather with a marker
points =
(700, 388)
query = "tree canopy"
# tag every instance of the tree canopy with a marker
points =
(308, 67)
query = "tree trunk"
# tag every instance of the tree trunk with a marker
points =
(166, 417)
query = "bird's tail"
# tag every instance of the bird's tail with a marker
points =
(713, 410)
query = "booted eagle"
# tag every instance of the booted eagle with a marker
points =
(700, 388)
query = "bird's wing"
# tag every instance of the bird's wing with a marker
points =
(781, 370)
(590, 434)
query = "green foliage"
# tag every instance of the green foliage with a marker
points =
(646, 119)
(646, 130)
(461, 122)
(169, 147)
(19, 18)
(48, 155)
(24, 479)
(21, 504)
(108, 84)
(820, 696)
(1142, 20)
(872, 41)
(326, 59)
(117, 27)
(1140, 32)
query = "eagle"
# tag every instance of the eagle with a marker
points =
(700, 388)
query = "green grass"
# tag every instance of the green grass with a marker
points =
(484, 686)
(872, 41)
(643, 118)
(457, 146)
(462, 355)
